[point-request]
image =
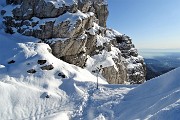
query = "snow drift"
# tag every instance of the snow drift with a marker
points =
(69, 92)
(36, 85)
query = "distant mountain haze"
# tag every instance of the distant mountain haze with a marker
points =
(160, 61)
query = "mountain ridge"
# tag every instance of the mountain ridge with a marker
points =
(76, 32)
(35, 84)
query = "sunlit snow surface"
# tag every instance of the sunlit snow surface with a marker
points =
(75, 97)
(23, 95)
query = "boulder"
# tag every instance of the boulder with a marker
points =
(47, 67)
(31, 71)
(11, 62)
(41, 62)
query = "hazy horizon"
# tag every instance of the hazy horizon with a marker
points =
(151, 24)
(159, 49)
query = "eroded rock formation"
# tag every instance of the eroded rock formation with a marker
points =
(76, 31)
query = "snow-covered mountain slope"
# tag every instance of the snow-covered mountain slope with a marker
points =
(76, 32)
(69, 92)
(35, 85)
(23, 93)
(158, 99)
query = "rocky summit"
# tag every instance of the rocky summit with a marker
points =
(77, 34)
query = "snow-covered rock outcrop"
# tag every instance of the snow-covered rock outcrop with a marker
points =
(36, 85)
(69, 92)
(76, 32)
(33, 81)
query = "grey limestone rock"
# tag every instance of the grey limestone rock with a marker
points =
(76, 32)
(134, 64)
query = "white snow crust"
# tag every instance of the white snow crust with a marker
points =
(23, 95)
(75, 97)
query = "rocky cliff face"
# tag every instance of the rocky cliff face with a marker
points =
(76, 31)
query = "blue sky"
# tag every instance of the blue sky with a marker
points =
(150, 23)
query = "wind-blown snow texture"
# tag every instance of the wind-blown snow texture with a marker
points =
(23, 95)
(69, 92)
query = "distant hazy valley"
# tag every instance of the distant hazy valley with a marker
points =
(159, 62)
